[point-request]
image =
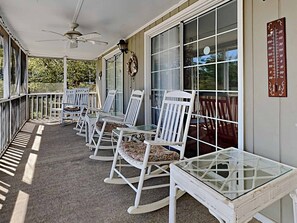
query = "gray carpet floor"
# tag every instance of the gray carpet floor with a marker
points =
(46, 176)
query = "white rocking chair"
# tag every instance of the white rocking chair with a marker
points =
(81, 123)
(168, 146)
(56, 104)
(72, 111)
(105, 125)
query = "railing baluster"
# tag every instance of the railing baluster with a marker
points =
(46, 106)
(11, 111)
(41, 104)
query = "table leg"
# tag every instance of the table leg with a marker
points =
(86, 131)
(172, 201)
(294, 198)
(90, 128)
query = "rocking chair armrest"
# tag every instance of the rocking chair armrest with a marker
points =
(162, 143)
(67, 104)
(135, 130)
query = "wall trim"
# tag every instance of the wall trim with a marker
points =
(240, 46)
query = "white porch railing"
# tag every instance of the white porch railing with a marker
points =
(12, 117)
(40, 104)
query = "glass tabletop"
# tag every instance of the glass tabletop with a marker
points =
(233, 172)
(150, 128)
(91, 115)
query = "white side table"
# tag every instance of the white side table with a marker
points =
(234, 185)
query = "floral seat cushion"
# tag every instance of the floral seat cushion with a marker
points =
(109, 126)
(136, 150)
(72, 109)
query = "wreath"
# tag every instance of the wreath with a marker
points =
(132, 65)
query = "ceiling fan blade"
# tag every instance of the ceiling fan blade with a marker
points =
(93, 41)
(87, 36)
(49, 31)
(51, 40)
(97, 42)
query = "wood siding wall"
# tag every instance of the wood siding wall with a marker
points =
(270, 123)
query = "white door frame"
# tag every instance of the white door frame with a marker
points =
(193, 11)
(103, 80)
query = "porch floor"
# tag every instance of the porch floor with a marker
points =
(46, 176)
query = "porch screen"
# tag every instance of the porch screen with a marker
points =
(1, 65)
(14, 69)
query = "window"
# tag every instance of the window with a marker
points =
(165, 67)
(204, 60)
(114, 79)
(210, 68)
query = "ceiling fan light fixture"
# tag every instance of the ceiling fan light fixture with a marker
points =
(123, 46)
(73, 44)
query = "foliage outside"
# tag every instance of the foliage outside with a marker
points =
(46, 75)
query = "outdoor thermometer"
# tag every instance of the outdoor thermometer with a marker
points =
(276, 53)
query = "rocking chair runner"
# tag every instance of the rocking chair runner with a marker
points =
(105, 125)
(168, 146)
(81, 123)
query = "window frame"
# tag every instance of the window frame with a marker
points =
(188, 14)
(103, 79)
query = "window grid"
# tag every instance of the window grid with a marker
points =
(114, 79)
(217, 120)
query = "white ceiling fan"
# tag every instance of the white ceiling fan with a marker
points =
(73, 36)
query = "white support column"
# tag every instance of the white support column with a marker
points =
(26, 82)
(65, 74)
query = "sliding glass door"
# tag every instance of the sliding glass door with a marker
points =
(165, 67)
(114, 79)
(201, 54)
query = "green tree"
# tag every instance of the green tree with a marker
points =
(46, 74)
(80, 73)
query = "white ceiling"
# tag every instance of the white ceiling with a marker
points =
(113, 19)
